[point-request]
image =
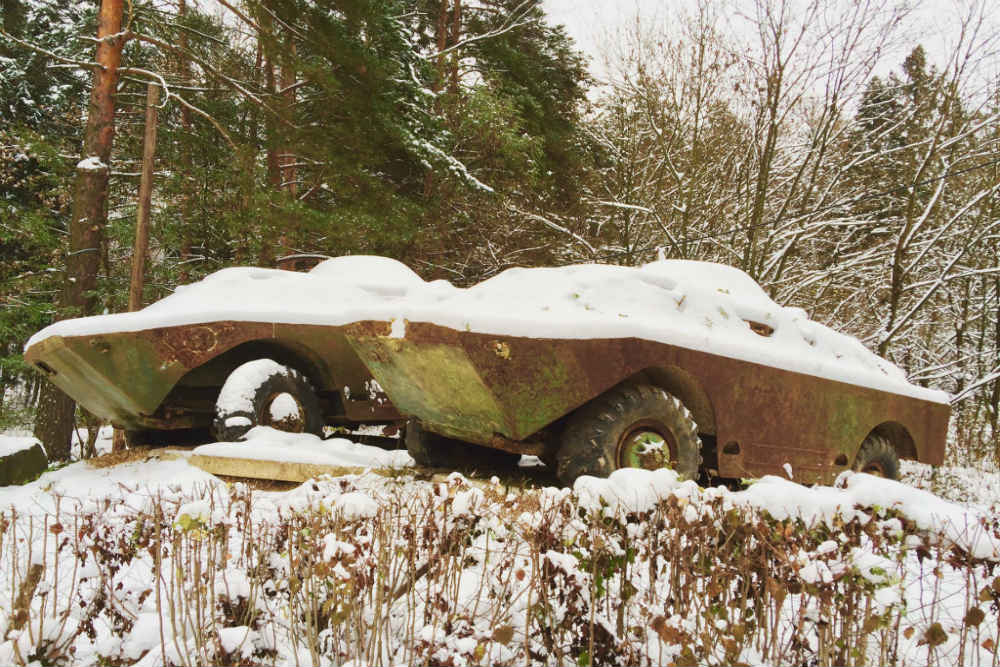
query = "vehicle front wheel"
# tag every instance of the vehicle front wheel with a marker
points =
(630, 426)
(265, 393)
(877, 457)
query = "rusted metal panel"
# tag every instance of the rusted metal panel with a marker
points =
(499, 391)
(125, 377)
(479, 387)
(84, 366)
(429, 374)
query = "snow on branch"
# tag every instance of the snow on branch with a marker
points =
(456, 167)
(168, 95)
(555, 226)
(208, 68)
(975, 386)
(55, 56)
(518, 19)
(903, 321)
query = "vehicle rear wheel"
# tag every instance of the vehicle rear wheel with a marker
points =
(877, 457)
(431, 450)
(265, 393)
(638, 426)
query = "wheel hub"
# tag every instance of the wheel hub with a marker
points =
(874, 468)
(284, 412)
(647, 444)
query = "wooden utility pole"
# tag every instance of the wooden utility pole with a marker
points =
(145, 196)
(141, 246)
(54, 424)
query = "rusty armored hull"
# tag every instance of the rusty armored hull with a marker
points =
(515, 393)
(715, 378)
(168, 378)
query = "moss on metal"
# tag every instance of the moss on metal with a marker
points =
(437, 381)
(115, 376)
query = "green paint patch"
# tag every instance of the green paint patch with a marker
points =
(435, 381)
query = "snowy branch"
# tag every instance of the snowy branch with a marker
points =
(83, 64)
(553, 225)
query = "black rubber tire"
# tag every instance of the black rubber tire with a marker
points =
(431, 450)
(877, 456)
(282, 380)
(590, 443)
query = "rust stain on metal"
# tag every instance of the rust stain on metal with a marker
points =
(778, 416)
(506, 392)
(169, 377)
(192, 345)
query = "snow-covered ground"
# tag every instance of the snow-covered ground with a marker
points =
(10, 444)
(158, 561)
(263, 442)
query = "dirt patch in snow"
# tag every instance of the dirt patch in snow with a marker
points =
(131, 455)
(259, 484)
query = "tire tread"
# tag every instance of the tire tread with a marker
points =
(878, 448)
(588, 447)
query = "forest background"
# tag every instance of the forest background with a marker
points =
(465, 137)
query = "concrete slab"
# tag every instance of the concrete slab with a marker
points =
(299, 472)
(259, 468)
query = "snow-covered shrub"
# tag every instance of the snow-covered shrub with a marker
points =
(392, 570)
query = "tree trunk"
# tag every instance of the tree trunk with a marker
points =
(437, 83)
(145, 197)
(13, 20)
(289, 173)
(995, 394)
(90, 191)
(54, 425)
(273, 161)
(288, 235)
(266, 255)
(187, 165)
(455, 36)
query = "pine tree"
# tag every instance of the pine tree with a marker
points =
(88, 216)
(40, 106)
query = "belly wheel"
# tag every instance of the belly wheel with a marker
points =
(265, 393)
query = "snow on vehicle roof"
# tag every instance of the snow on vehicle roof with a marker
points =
(376, 274)
(698, 305)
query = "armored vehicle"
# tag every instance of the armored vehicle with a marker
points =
(589, 367)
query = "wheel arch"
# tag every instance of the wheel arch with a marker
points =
(687, 388)
(898, 436)
(215, 371)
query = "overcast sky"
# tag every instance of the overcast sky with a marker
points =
(589, 21)
(585, 20)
